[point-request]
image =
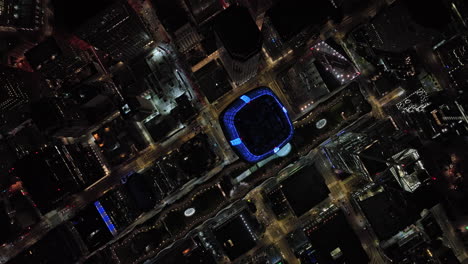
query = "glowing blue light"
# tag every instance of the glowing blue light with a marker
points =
(284, 109)
(328, 158)
(236, 142)
(100, 210)
(230, 130)
(106, 218)
(276, 149)
(326, 142)
(245, 98)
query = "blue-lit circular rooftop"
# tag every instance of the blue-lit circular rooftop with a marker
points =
(257, 125)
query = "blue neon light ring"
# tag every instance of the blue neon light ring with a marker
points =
(232, 134)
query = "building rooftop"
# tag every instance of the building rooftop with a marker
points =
(238, 32)
(45, 51)
(290, 17)
(202, 10)
(304, 190)
(171, 13)
(187, 251)
(57, 246)
(383, 215)
(16, 88)
(234, 237)
(368, 157)
(71, 14)
(213, 81)
(257, 124)
(335, 240)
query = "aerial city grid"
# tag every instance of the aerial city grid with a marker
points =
(233, 131)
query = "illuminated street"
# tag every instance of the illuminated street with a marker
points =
(233, 131)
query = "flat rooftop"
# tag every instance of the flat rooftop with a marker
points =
(213, 80)
(257, 125)
(71, 14)
(238, 32)
(171, 14)
(334, 233)
(43, 52)
(386, 215)
(234, 238)
(187, 251)
(305, 189)
(290, 17)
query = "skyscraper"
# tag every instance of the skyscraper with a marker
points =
(304, 84)
(48, 175)
(453, 57)
(240, 41)
(21, 15)
(203, 10)
(295, 21)
(118, 31)
(56, 59)
(14, 88)
(393, 30)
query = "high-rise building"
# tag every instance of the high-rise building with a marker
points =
(410, 171)
(393, 30)
(58, 246)
(186, 37)
(120, 208)
(203, 10)
(291, 23)
(273, 42)
(52, 114)
(213, 80)
(172, 14)
(290, 192)
(240, 41)
(119, 140)
(15, 88)
(411, 245)
(53, 172)
(256, 7)
(333, 239)
(86, 161)
(454, 56)
(25, 139)
(56, 58)
(385, 211)
(400, 64)
(21, 15)
(118, 31)
(190, 250)
(303, 84)
(411, 113)
(429, 82)
(91, 228)
(361, 148)
(449, 118)
(237, 233)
